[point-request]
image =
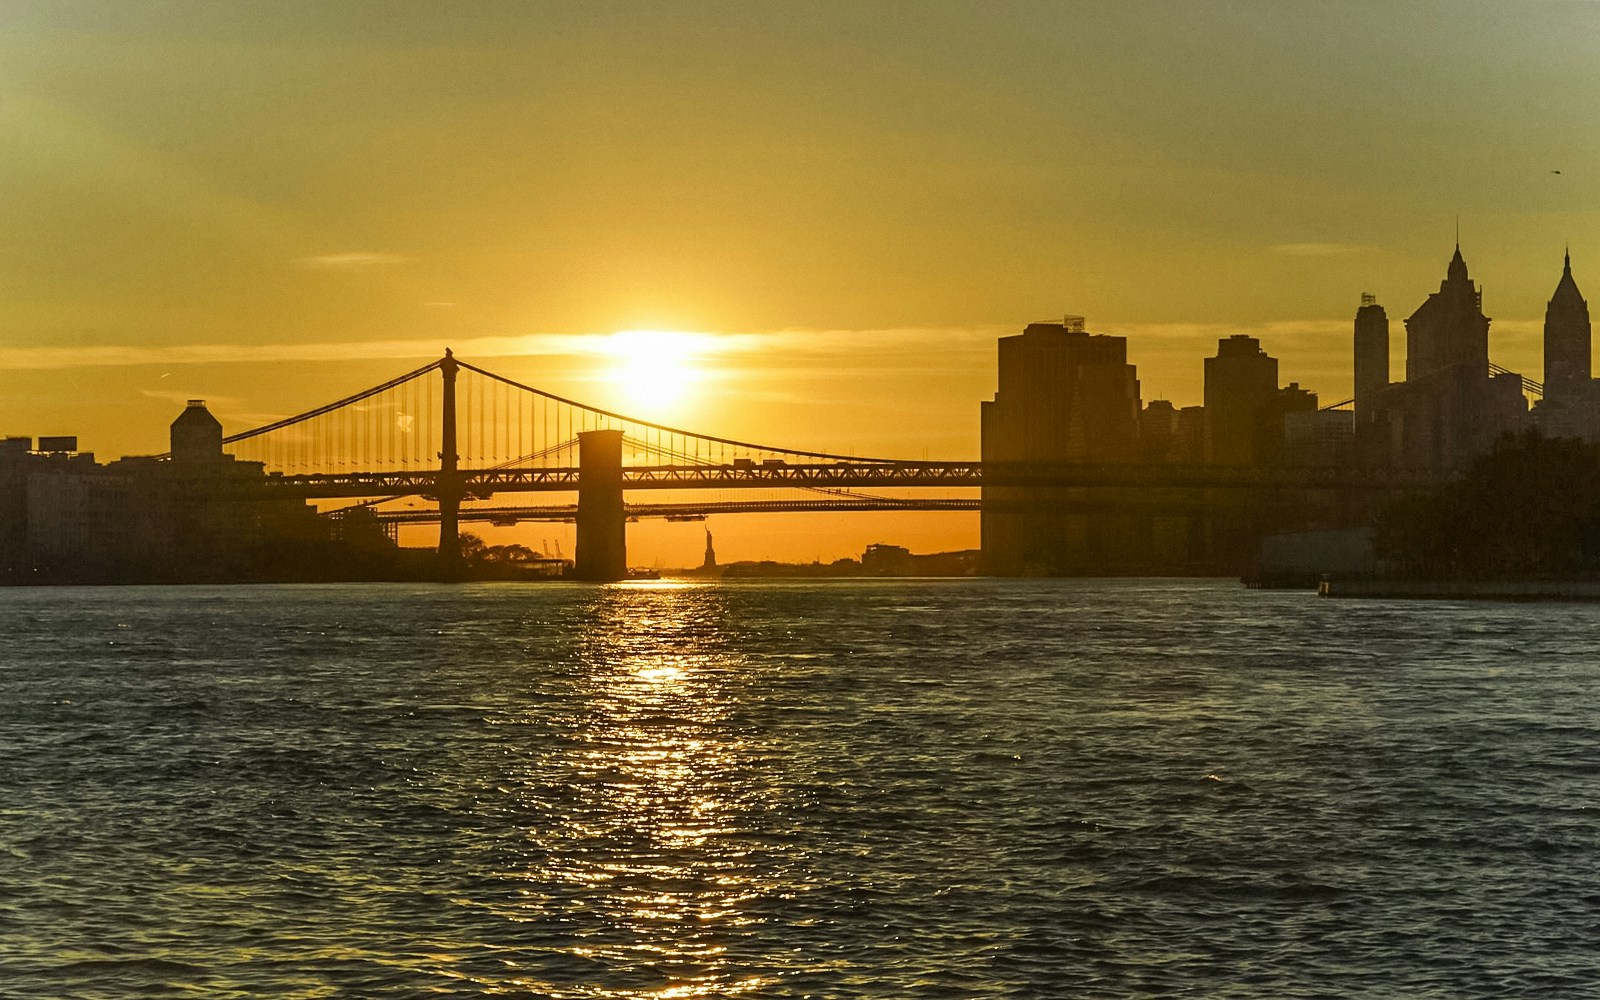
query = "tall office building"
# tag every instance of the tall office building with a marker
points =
(1064, 395)
(1571, 403)
(1158, 431)
(1449, 331)
(1449, 409)
(1372, 355)
(1566, 339)
(1241, 383)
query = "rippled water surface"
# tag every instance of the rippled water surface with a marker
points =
(906, 789)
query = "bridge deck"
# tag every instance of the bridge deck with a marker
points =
(838, 475)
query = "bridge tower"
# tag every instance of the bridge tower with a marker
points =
(602, 554)
(449, 475)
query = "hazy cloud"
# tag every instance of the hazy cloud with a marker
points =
(1196, 336)
(174, 396)
(119, 355)
(352, 261)
(791, 342)
(1313, 351)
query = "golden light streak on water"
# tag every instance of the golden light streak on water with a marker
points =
(651, 841)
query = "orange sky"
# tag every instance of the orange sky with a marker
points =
(272, 204)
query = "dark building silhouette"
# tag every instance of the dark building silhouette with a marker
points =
(199, 517)
(1244, 426)
(1450, 408)
(1566, 339)
(1190, 445)
(1064, 395)
(880, 559)
(1290, 405)
(1318, 437)
(14, 463)
(1449, 330)
(1158, 431)
(1571, 403)
(1240, 385)
(1371, 356)
(196, 435)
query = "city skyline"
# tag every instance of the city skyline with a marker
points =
(648, 535)
(613, 369)
(1064, 396)
(844, 208)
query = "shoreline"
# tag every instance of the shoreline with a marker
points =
(1487, 590)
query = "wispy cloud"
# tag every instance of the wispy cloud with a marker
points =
(786, 352)
(121, 355)
(175, 396)
(355, 261)
(1187, 335)
(1314, 249)
(794, 343)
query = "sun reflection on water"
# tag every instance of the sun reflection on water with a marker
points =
(636, 864)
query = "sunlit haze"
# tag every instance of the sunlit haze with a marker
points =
(805, 224)
(657, 371)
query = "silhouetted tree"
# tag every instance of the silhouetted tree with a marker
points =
(495, 562)
(1530, 508)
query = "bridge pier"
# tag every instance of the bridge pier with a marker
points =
(602, 554)
(449, 476)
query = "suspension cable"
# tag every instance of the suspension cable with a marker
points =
(328, 408)
(674, 430)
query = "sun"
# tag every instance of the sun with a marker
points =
(655, 370)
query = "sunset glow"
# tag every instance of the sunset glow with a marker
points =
(849, 203)
(656, 371)
(628, 500)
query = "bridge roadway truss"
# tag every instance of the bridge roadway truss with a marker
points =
(689, 511)
(483, 483)
(1190, 502)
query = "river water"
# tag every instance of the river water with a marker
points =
(843, 789)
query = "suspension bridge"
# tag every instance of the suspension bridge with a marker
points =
(456, 435)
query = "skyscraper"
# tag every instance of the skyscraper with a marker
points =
(1372, 355)
(1240, 385)
(1571, 403)
(1566, 339)
(1065, 395)
(1450, 408)
(1449, 331)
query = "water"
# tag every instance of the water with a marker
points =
(899, 789)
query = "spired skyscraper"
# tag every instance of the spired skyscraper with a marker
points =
(1450, 408)
(1571, 404)
(1449, 332)
(1566, 338)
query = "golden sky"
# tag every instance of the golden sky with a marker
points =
(273, 204)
